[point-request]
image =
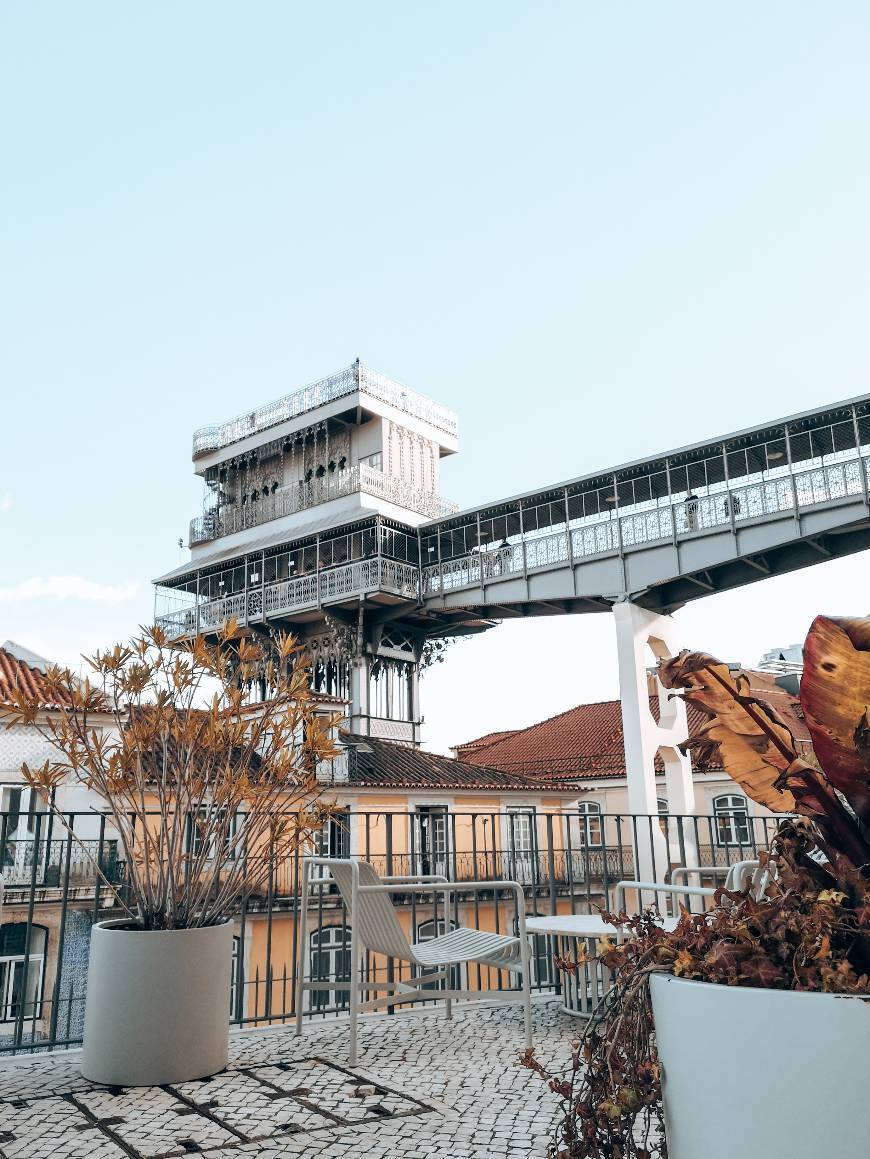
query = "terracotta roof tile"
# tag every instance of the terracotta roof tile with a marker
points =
(385, 764)
(15, 673)
(586, 741)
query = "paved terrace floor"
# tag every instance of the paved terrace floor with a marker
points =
(424, 1087)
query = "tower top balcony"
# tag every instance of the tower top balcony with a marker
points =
(356, 388)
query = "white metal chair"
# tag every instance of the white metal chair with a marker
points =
(374, 926)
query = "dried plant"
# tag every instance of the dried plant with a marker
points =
(810, 930)
(208, 793)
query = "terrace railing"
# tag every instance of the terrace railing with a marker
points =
(567, 862)
(360, 479)
(325, 390)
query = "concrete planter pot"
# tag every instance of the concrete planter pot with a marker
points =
(761, 1073)
(157, 1006)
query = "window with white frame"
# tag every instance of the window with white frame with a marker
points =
(520, 823)
(333, 840)
(330, 962)
(664, 814)
(521, 830)
(210, 832)
(426, 932)
(731, 820)
(591, 828)
(22, 971)
(431, 839)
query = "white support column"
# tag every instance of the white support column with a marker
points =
(637, 630)
(359, 695)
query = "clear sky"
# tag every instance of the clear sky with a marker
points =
(595, 231)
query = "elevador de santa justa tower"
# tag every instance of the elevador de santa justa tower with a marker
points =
(312, 510)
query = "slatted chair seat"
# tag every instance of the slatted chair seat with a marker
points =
(465, 945)
(375, 927)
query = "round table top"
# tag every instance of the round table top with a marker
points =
(581, 925)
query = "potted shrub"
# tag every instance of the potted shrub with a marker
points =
(207, 794)
(746, 1030)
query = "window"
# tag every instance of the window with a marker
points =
(664, 813)
(236, 980)
(590, 824)
(333, 840)
(521, 843)
(431, 843)
(330, 962)
(21, 975)
(375, 461)
(426, 931)
(732, 820)
(203, 829)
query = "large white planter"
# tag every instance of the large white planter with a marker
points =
(158, 1003)
(761, 1074)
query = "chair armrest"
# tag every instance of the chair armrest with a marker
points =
(657, 887)
(411, 877)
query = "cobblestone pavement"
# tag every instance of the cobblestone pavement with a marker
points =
(424, 1087)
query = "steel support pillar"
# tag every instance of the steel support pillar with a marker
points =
(642, 636)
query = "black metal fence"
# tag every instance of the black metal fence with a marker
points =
(59, 879)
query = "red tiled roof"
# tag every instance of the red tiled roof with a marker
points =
(586, 741)
(15, 673)
(488, 739)
(385, 764)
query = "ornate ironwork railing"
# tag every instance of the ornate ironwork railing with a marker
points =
(302, 496)
(345, 382)
(608, 533)
(294, 595)
(44, 863)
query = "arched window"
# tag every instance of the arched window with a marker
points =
(330, 962)
(591, 832)
(21, 974)
(732, 820)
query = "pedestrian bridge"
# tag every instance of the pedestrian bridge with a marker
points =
(666, 530)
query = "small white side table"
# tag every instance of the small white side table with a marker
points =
(583, 988)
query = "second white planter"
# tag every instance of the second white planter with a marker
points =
(157, 1006)
(761, 1073)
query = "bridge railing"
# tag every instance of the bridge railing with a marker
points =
(605, 534)
(567, 862)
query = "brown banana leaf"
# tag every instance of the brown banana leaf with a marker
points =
(835, 695)
(756, 747)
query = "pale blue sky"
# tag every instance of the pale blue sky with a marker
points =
(596, 231)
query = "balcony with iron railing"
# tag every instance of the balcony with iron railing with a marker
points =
(301, 593)
(359, 479)
(326, 390)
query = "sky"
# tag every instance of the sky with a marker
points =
(594, 231)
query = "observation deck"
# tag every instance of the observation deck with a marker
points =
(355, 379)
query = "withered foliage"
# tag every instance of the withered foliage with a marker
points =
(808, 930)
(207, 792)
